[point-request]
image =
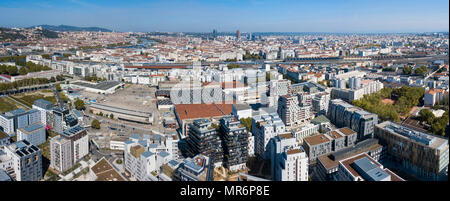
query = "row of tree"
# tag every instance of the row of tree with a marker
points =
(4, 87)
(421, 71)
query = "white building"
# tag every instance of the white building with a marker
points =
(60, 154)
(19, 118)
(289, 161)
(143, 157)
(241, 111)
(35, 134)
(265, 127)
(44, 107)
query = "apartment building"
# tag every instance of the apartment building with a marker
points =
(289, 161)
(45, 109)
(423, 155)
(205, 139)
(195, 169)
(79, 142)
(327, 168)
(144, 156)
(343, 114)
(19, 118)
(235, 141)
(23, 161)
(35, 134)
(60, 154)
(290, 111)
(362, 167)
(265, 127)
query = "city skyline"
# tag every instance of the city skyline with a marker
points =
(229, 16)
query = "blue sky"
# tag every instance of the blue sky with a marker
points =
(229, 15)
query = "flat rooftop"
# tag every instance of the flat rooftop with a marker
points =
(316, 139)
(105, 172)
(121, 110)
(195, 111)
(100, 86)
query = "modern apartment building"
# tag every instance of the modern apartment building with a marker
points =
(323, 144)
(205, 139)
(79, 142)
(422, 155)
(265, 127)
(143, 157)
(343, 114)
(289, 161)
(278, 88)
(23, 161)
(60, 154)
(235, 143)
(320, 103)
(195, 169)
(35, 134)
(19, 118)
(290, 111)
(327, 167)
(362, 167)
(45, 108)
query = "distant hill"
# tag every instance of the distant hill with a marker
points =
(72, 28)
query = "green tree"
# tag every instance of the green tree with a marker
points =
(421, 70)
(427, 116)
(79, 104)
(58, 87)
(12, 70)
(95, 124)
(247, 122)
(407, 70)
(23, 71)
(111, 116)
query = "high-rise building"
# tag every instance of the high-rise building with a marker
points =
(265, 127)
(205, 139)
(420, 154)
(238, 34)
(60, 154)
(24, 161)
(289, 161)
(235, 141)
(290, 111)
(79, 142)
(278, 88)
(57, 119)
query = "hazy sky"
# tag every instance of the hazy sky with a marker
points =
(230, 15)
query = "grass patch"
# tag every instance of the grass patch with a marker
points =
(6, 105)
(29, 99)
(77, 165)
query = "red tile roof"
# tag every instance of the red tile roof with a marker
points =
(195, 111)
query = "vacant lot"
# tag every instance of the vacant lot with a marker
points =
(29, 98)
(8, 105)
